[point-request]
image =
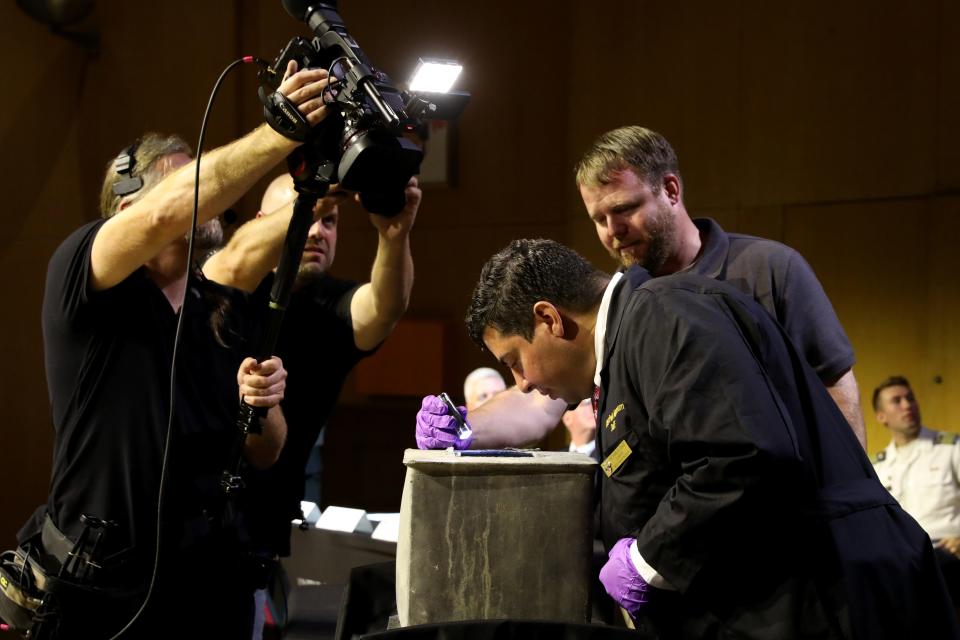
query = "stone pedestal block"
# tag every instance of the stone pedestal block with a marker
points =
(484, 537)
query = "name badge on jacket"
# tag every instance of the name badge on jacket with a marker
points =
(616, 458)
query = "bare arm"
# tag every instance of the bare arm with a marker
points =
(377, 305)
(846, 394)
(140, 231)
(513, 419)
(263, 385)
(262, 450)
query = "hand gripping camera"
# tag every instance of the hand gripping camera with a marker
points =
(361, 143)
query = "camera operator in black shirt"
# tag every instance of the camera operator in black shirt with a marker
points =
(114, 290)
(329, 326)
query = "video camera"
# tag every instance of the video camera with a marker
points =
(361, 144)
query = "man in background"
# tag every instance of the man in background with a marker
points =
(921, 469)
(480, 385)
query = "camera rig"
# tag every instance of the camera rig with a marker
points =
(361, 144)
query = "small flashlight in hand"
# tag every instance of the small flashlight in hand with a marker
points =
(463, 429)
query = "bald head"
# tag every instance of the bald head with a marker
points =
(481, 385)
(280, 192)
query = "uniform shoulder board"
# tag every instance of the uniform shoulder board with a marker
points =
(945, 437)
(880, 457)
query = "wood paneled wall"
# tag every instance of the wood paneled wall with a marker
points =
(831, 127)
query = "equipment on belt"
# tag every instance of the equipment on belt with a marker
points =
(28, 587)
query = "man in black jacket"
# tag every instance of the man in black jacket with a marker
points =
(732, 503)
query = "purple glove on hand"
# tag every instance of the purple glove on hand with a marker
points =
(621, 580)
(437, 429)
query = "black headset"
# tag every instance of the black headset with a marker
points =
(124, 165)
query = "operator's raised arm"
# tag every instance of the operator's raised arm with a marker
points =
(377, 305)
(141, 225)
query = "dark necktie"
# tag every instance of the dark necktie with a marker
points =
(595, 402)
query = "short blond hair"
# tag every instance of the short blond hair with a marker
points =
(642, 150)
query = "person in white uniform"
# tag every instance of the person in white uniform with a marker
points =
(921, 469)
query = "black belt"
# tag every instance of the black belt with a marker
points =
(122, 570)
(54, 542)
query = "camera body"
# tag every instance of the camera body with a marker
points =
(361, 143)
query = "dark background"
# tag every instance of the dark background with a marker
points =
(831, 126)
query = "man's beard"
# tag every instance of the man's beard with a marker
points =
(660, 244)
(311, 271)
(209, 236)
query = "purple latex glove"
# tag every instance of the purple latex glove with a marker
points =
(437, 429)
(621, 580)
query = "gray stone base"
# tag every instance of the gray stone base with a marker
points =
(495, 537)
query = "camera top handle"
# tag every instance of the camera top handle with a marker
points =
(332, 35)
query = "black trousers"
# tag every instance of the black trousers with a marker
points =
(950, 568)
(199, 593)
